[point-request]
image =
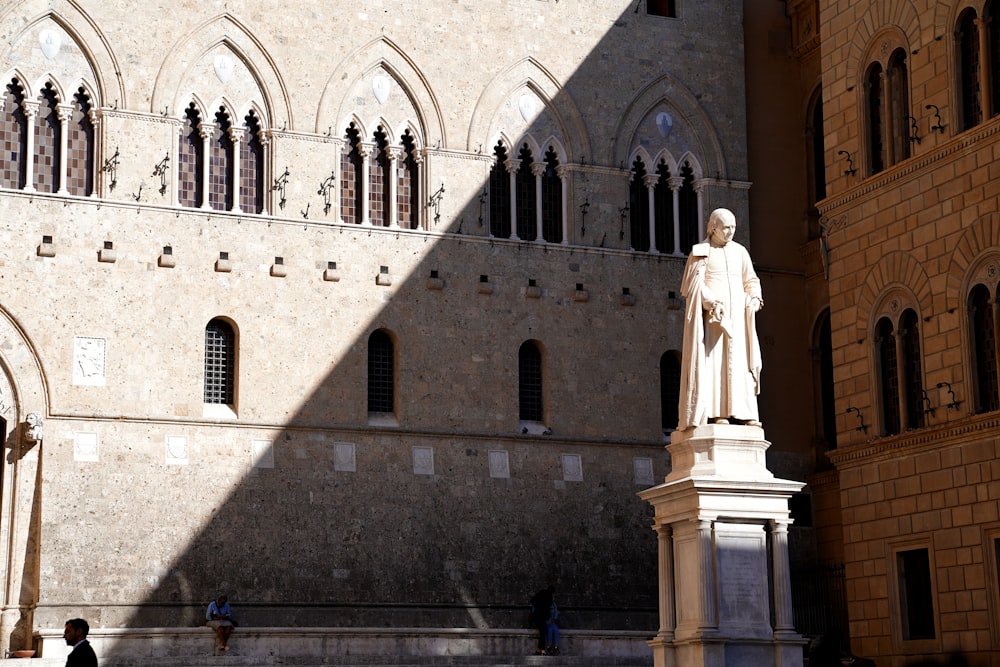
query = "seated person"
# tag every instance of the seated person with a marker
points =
(220, 618)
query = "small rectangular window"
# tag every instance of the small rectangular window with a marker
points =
(916, 602)
(662, 8)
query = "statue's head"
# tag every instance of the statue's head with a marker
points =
(721, 226)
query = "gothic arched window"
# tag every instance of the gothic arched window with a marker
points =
(638, 203)
(80, 147)
(251, 178)
(663, 209)
(408, 197)
(967, 35)
(527, 204)
(887, 373)
(190, 160)
(378, 180)
(688, 205)
(875, 119)
(13, 137)
(220, 163)
(670, 390)
(500, 194)
(351, 181)
(48, 139)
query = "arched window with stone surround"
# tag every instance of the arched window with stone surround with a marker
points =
(983, 348)
(887, 374)
(48, 141)
(220, 363)
(638, 207)
(381, 373)
(190, 160)
(13, 137)
(80, 145)
(500, 194)
(874, 119)
(969, 68)
(897, 84)
(899, 369)
(351, 177)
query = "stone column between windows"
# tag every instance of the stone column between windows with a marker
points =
(265, 170)
(65, 113)
(98, 153)
(563, 175)
(236, 135)
(393, 153)
(985, 84)
(538, 171)
(676, 183)
(513, 166)
(207, 131)
(30, 113)
(783, 623)
(904, 409)
(699, 187)
(665, 553)
(650, 180)
(418, 217)
(365, 186)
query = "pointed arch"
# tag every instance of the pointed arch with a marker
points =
(225, 31)
(335, 105)
(107, 84)
(529, 73)
(689, 120)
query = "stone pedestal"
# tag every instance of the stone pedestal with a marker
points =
(720, 516)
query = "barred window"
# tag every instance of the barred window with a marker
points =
(529, 365)
(381, 373)
(220, 362)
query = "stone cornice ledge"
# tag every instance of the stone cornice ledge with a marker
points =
(914, 442)
(908, 167)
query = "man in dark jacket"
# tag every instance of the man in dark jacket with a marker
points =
(75, 635)
(541, 604)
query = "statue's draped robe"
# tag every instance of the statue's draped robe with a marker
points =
(720, 363)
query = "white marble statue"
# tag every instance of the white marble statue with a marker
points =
(720, 365)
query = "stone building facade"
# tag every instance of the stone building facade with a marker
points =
(365, 316)
(901, 275)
